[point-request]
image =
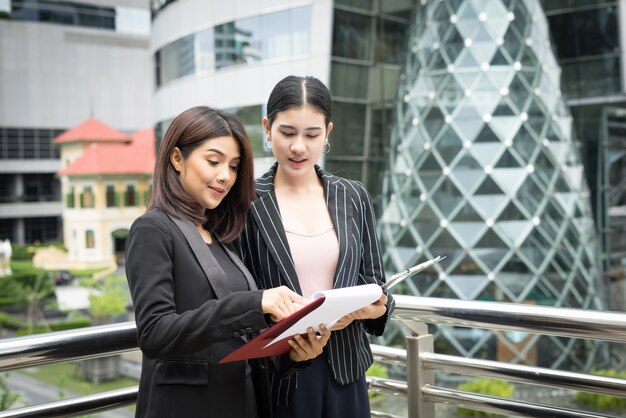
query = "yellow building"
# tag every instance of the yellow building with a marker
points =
(105, 180)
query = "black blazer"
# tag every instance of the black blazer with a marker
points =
(187, 320)
(265, 251)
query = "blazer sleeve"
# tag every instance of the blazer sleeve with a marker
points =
(371, 269)
(161, 329)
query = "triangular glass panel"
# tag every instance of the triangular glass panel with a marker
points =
(505, 127)
(407, 240)
(467, 179)
(467, 232)
(467, 214)
(491, 257)
(466, 78)
(524, 143)
(486, 135)
(504, 109)
(447, 197)
(483, 51)
(515, 231)
(448, 145)
(403, 256)
(575, 176)
(429, 164)
(489, 187)
(509, 179)
(466, 286)
(467, 162)
(452, 48)
(560, 151)
(485, 101)
(567, 201)
(515, 282)
(467, 122)
(487, 153)
(489, 206)
(500, 76)
(444, 242)
(430, 178)
(391, 214)
(535, 248)
(499, 59)
(511, 213)
(436, 62)
(507, 160)
(433, 122)
(466, 61)
(518, 93)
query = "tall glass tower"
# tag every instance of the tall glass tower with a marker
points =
(484, 170)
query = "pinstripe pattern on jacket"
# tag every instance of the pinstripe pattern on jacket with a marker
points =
(265, 251)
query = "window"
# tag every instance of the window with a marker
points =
(87, 198)
(69, 199)
(111, 196)
(130, 196)
(90, 241)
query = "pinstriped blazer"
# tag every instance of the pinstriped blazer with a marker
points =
(265, 251)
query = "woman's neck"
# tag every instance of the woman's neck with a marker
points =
(302, 183)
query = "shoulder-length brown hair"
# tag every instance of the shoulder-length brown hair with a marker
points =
(188, 131)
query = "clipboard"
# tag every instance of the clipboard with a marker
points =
(405, 274)
(326, 308)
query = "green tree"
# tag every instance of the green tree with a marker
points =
(109, 301)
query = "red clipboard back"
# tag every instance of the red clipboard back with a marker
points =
(256, 347)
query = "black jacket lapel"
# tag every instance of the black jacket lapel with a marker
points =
(214, 273)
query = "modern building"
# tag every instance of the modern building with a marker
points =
(60, 62)
(483, 169)
(230, 54)
(105, 181)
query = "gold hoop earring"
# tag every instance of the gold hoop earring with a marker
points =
(326, 150)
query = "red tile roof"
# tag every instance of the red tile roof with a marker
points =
(91, 130)
(136, 157)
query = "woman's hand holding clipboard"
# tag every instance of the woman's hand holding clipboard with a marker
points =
(405, 274)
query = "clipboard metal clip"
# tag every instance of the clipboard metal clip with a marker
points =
(405, 274)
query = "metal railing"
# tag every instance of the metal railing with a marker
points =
(419, 358)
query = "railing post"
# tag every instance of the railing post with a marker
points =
(417, 375)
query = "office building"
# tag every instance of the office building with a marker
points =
(60, 62)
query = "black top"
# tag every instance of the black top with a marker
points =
(237, 283)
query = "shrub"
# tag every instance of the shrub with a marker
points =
(598, 401)
(490, 387)
(80, 322)
(376, 370)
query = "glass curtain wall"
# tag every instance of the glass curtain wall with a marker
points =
(369, 38)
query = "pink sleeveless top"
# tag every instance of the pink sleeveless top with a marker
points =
(315, 258)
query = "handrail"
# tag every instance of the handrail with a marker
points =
(526, 374)
(62, 346)
(566, 322)
(413, 311)
(77, 406)
(500, 405)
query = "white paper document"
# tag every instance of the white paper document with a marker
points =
(337, 304)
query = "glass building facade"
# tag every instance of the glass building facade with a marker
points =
(483, 169)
